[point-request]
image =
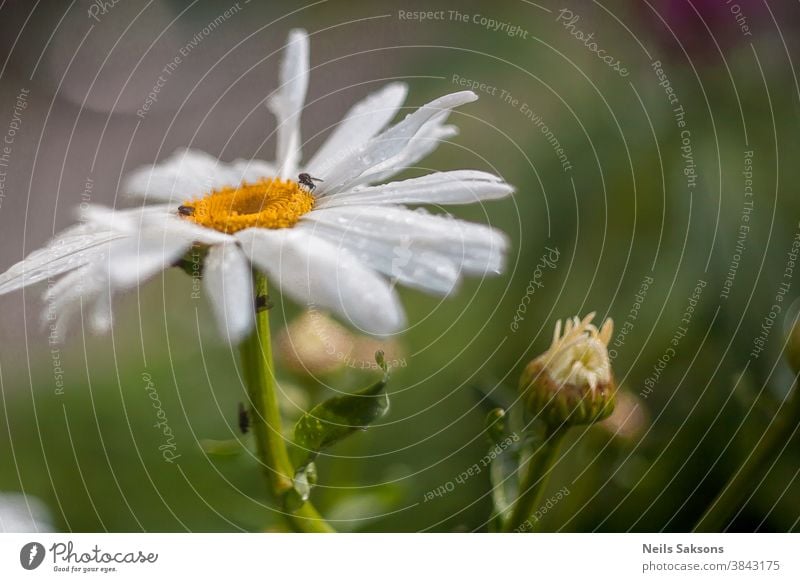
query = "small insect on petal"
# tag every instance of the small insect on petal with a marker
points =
(185, 210)
(308, 181)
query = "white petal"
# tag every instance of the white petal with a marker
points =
(62, 254)
(64, 297)
(83, 283)
(88, 287)
(400, 261)
(418, 148)
(391, 142)
(125, 220)
(190, 174)
(136, 259)
(184, 175)
(101, 317)
(287, 103)
(161, 225)
(456, 187)
(68, 286)
(362, 122)
(20, 513)
(227, 278)
(242, 170)
(475, 248)
(170, 222)
(313, 272)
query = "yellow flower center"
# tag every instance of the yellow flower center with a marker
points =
(268, 203)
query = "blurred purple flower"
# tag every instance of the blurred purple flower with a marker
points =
(698, 26)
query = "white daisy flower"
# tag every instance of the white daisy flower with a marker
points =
(329, 233)
(20, 513)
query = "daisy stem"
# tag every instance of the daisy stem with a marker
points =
(265, 420)
(534, 481)
(752, 473)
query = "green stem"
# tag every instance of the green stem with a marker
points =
(535, 481)
(718, 514)
(265, 420)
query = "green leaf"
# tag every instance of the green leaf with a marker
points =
(337, 418)
(504, 485)
(504, 462)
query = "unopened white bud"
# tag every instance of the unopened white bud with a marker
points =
(572, 382)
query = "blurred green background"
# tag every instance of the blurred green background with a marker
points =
(623, 212)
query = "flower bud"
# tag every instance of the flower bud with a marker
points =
(496, 425)
(572, 382)
(629, 420)
(314, 344)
